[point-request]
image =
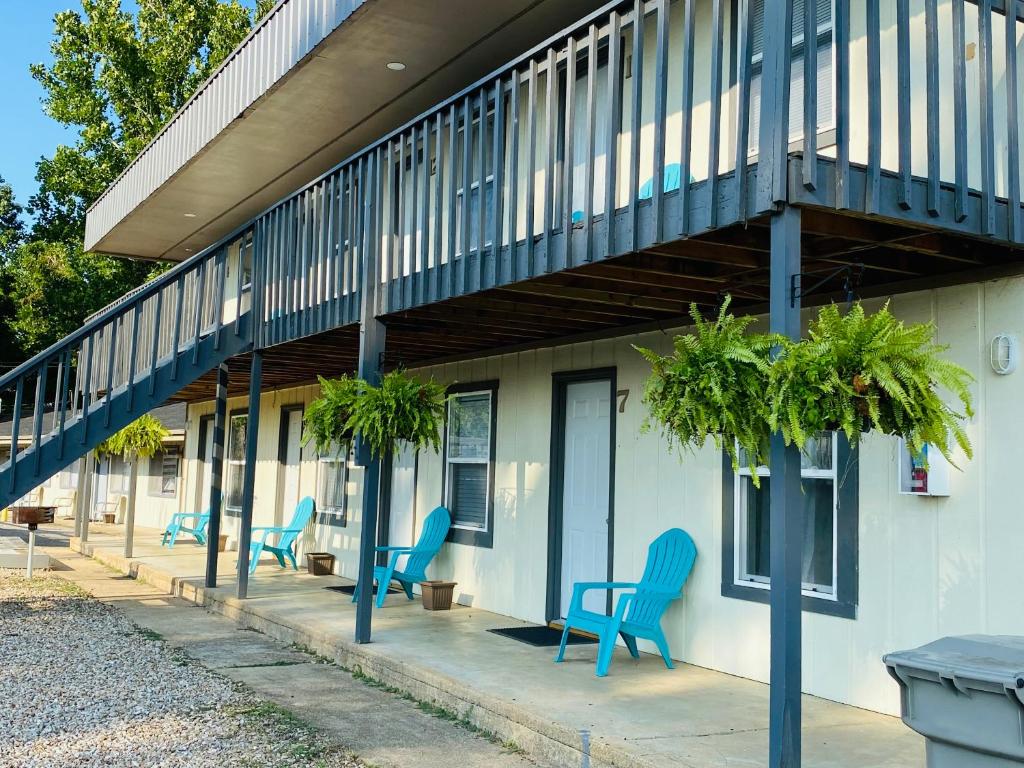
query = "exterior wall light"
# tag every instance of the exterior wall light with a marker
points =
(1005, 353)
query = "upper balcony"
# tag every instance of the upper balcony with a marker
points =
(625, 167)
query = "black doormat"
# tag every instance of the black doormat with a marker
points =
(542, 637)
(348, 589)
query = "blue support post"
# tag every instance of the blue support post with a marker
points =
(252, 429)
(216, 475)
(786, 513)
(371, 349)
(773, 152)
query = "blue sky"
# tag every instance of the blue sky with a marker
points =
(26, 28)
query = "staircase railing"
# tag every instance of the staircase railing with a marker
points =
(118, 351)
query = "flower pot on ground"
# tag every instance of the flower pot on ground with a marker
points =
(320, 563)
(222, 542)
(437, 595)
(109, 518)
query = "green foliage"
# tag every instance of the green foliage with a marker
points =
(117, 78)
(401, 408)
(141, 439)
(327, 418)
(55, 286)
(857, 372)
(712, 386)
(12, 230)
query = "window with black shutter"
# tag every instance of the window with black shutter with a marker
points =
(469, 463)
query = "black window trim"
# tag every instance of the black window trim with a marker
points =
(483, 539)
(847, 531)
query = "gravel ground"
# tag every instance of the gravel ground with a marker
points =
(83, 686)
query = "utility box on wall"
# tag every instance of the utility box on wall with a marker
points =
(924, 475)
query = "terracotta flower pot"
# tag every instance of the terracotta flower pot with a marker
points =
(437, 595)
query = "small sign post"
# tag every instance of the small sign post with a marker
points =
(32, 517)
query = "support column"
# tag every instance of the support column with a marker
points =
(785, 517)
(372, 339)
(252, 430)
(90, 476)
(129, 517)
(220, 414)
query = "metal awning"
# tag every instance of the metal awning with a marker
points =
(309, 86)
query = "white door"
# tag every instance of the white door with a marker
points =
(290, 469)
(402, 514)
(585, 484)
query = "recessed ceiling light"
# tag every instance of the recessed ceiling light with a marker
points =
(188, 250)
(395, 66)
(190, 215)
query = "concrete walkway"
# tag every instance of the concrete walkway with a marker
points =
(640, 716)
(382, 728)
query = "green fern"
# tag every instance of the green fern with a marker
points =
(402, 408)
(859, 372)
(143, 438)
(712, 386)
(326, 418)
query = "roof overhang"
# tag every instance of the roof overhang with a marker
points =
(307, 88)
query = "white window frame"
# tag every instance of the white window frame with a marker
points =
(449, 461)
(334, 458)
(744, 579)
(234, 465)
(827, 127)
(157, 463)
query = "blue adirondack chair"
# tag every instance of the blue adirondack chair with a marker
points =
(638, 613)
(179, 524)
(285, 547)
(435, 531)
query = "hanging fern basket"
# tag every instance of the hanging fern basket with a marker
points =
(855, 372)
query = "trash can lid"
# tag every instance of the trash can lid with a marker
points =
(985, 658)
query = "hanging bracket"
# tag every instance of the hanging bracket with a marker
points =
(850, 273)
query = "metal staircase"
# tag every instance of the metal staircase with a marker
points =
(127, 359)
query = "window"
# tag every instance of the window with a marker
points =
(117, 476)
(826, 118)
(474, 212)
(829, 500)
(234, 468)
(469, 463)
(332, 484)
(163, 473)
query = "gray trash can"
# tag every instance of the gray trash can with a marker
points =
(965, 695)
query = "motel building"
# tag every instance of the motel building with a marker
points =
(506, 197)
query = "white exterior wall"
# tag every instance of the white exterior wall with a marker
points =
(342, 541)
(928, 566)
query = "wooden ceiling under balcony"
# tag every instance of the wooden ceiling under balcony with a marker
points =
(652, 289)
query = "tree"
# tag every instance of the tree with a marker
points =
(12, 230)
(56, 286)
(117, 78)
